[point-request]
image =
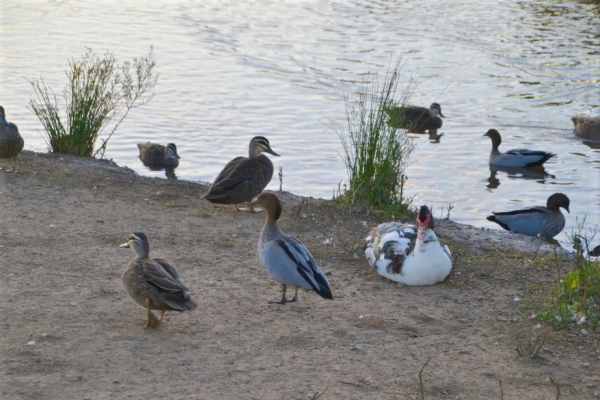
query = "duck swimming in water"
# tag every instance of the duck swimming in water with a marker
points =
(515, 158)
(417, 119)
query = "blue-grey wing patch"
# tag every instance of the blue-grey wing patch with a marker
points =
(306, 266)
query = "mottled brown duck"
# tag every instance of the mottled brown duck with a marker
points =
(587, 127)
(11, 142)
(243, 178)
(154, 284)
(417, 119)
(158, 156)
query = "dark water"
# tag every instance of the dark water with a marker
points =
(232, 70)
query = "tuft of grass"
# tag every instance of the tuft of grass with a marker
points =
(98, 92)
(224, 243)
(376, 154)
(576, 296)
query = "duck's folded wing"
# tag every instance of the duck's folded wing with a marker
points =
(528, 221)
(233, 175)
(172, 271)
(528, 153)
(306, 265)
(155, 275)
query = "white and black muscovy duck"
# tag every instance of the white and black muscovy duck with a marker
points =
(409, 254)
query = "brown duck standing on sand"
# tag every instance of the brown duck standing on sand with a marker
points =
(155, 284)
(158, 156)
(243, 178)
(11, 142)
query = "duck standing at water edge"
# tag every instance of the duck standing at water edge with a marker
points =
(515, 158)
(11, 142)
(409, 254)
(243, 178)
(155, 155)
(286, 259)
(154, 284)
(546, 222)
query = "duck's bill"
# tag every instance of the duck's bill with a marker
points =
(270, 151)
(441, 115)
(124, 245)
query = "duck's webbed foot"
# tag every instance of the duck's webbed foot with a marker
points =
(152, 321)
(284, 300)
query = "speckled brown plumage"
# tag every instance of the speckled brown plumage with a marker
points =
(416, 119)
(11, 142)
(587, 127)
(159, 156)
(154, 284)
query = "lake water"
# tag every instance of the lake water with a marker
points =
(230, 70)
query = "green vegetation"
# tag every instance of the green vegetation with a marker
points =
(576, 297)
(376, 154)
(224, 243)
(99, 92)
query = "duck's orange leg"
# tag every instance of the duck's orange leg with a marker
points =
(152, 320)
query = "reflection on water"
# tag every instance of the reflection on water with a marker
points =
(537, 173)
(169, 171)
(231, 70)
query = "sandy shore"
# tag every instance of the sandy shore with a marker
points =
(70, 331)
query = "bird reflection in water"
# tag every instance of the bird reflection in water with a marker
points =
(534, 173)
(169, 171)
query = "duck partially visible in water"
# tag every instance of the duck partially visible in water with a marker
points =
(155, 284)
(587, 127)
(546, 222)
(243, 178)
(285, 258)
(11, 142)
(158, 156)
(417, 119)
(409, 254)
(515, 158)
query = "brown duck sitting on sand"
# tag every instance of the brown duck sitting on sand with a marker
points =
(154, 283)
(11, 142)
(158, 156)
(586, 127)
(243, 178)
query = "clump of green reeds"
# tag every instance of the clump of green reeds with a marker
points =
(375, 153)
(576, 297)
(99, 92)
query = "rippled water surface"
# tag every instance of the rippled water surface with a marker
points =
(230, 70)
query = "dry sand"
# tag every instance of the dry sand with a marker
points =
(69, 330)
